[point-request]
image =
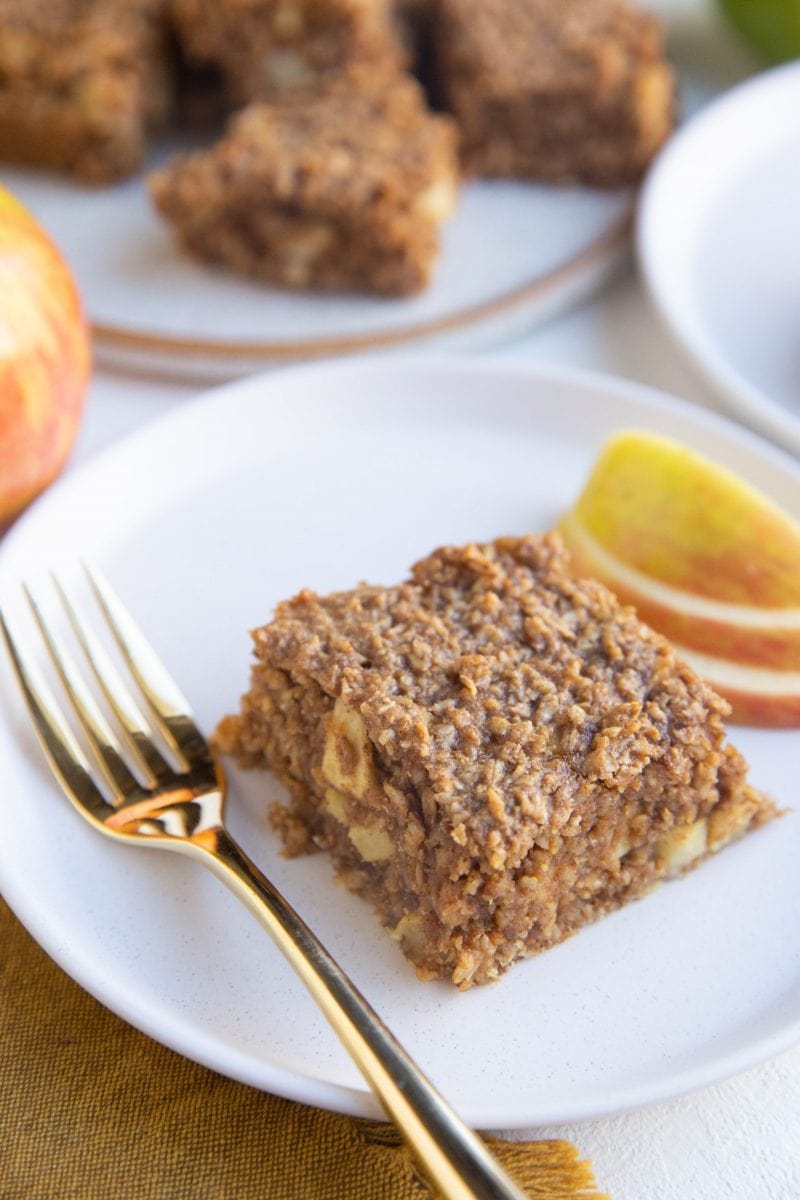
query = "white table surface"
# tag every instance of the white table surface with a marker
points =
(739, 1140)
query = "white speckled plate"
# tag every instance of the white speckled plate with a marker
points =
(323, 476)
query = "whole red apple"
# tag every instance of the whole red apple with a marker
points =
(44, 358)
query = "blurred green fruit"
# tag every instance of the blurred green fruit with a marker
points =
(772, 27)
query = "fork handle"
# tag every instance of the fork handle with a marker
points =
(452, 1156)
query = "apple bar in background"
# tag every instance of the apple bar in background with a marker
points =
(573, 91)
(266, 50)
(82, 83)
(493, 753)
(347, 190)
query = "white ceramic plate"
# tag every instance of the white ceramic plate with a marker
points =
(512, 254)
(719, 248)
(322, 476)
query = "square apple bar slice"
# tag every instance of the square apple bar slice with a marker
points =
(346, 191)
(577, 91)
(82, 83)
(493, 753)
(273, 49)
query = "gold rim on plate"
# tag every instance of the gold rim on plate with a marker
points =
(111, 337)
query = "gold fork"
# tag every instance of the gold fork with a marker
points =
(147, 801)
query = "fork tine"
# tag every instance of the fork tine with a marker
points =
(99, 734)
(61, 749)
(126, 710)
(169, 705)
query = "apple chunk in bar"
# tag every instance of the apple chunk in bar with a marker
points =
(493, 753)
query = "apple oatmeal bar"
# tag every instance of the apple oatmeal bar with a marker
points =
(345, 191)
(494, 753)
(82, 82)
(577, 91)
(270, 49)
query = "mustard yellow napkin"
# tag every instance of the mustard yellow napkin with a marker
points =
(91, 1109)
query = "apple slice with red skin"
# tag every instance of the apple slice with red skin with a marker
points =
(706, 559)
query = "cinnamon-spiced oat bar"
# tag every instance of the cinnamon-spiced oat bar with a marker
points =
(574, 91)
(346, 191)
(82, 82)
(493, 753)
(270, 49)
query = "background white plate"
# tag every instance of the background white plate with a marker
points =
(512, 253)
(719, 248)
(320, 477)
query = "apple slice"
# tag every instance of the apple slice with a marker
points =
(706, 559)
